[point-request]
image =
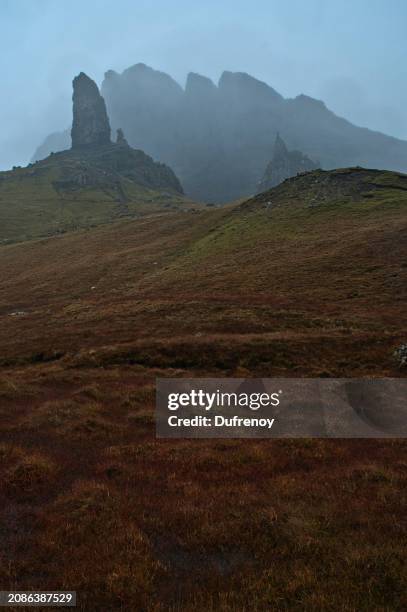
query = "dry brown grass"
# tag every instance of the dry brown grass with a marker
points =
(93, 502)
(136, 523)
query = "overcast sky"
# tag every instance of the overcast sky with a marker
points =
(352, 54)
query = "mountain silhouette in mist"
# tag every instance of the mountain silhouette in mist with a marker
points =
(219, 138)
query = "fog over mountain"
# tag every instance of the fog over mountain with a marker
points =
(219, 138)
(349, 54)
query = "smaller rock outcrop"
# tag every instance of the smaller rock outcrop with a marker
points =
(120, 138)
(90, 125)
(284, 164)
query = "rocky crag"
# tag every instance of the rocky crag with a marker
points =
(94, 181)
(98, 159)
(284, 164)
(90, 146)
(100, 163)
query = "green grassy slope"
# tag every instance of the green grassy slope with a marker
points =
(335, 236)
(71, 190)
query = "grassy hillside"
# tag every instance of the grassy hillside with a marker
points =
(72, 190)
(321, 256)
(308, 279)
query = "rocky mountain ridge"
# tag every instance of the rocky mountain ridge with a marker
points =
(219, 138)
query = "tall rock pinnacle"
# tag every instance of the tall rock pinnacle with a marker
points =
(90, 124)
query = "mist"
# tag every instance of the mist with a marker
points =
(349, 55)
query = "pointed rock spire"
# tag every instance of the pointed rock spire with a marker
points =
(284, 164)
(90, 124)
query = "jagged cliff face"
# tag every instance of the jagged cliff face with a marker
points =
(206, 133)
(284, 164)
(90, 126)
(219, 138)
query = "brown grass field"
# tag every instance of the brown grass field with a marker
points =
(306, 280)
